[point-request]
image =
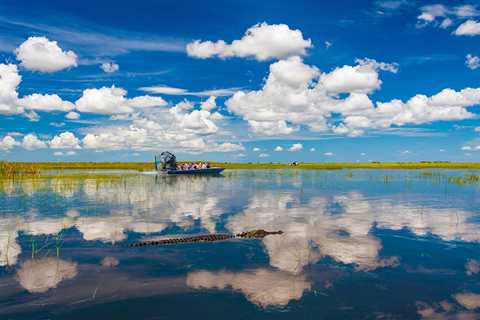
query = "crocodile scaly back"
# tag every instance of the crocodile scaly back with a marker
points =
(254, 234)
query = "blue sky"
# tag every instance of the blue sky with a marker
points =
(235, 81)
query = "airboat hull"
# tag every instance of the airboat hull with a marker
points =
(194, 171)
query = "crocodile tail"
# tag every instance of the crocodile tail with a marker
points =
(190, 239)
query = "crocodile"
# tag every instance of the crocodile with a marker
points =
(253, 234)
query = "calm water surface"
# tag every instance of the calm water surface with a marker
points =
(366, 245)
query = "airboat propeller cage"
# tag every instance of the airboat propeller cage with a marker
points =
(165, 161)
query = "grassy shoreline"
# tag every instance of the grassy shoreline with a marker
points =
(76, 171)
(15, 169)
(352, 165)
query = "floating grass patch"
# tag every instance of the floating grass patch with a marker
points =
(465, 179)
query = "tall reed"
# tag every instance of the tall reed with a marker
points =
(13, 169)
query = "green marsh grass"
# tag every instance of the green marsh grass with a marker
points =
(14, 169)
(60, 170)
(17, 169)
(351, 165)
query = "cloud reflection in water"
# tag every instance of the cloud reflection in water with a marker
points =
(43, 274)
(261, 286)
(340, 226)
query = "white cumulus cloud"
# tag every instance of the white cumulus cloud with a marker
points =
(443, 16)
(45, 102)
(31, 142)
(9, 81)
(72, 115)
(262, 41)
(209, 104)
(7, 143)
(378, 65)
(65, 140)
(41, 54)
(468, 28)
(296, 94)
(178, 127)
(109, 67)
(359, 79)
(472, 62)
(112, 100)
(295, 147)
(466, 11)
(10, 103)
(431, 12)
(278, 149)
(447, 22)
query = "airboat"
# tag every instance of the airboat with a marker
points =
(166, 163)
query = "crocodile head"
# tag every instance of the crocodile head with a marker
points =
(261, 233)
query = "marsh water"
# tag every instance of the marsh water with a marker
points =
(361, 244)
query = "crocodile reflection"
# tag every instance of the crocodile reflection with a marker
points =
(253, 234)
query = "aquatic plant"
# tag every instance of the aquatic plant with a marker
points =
(465, 179)
(13, 169)
(442, 177)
